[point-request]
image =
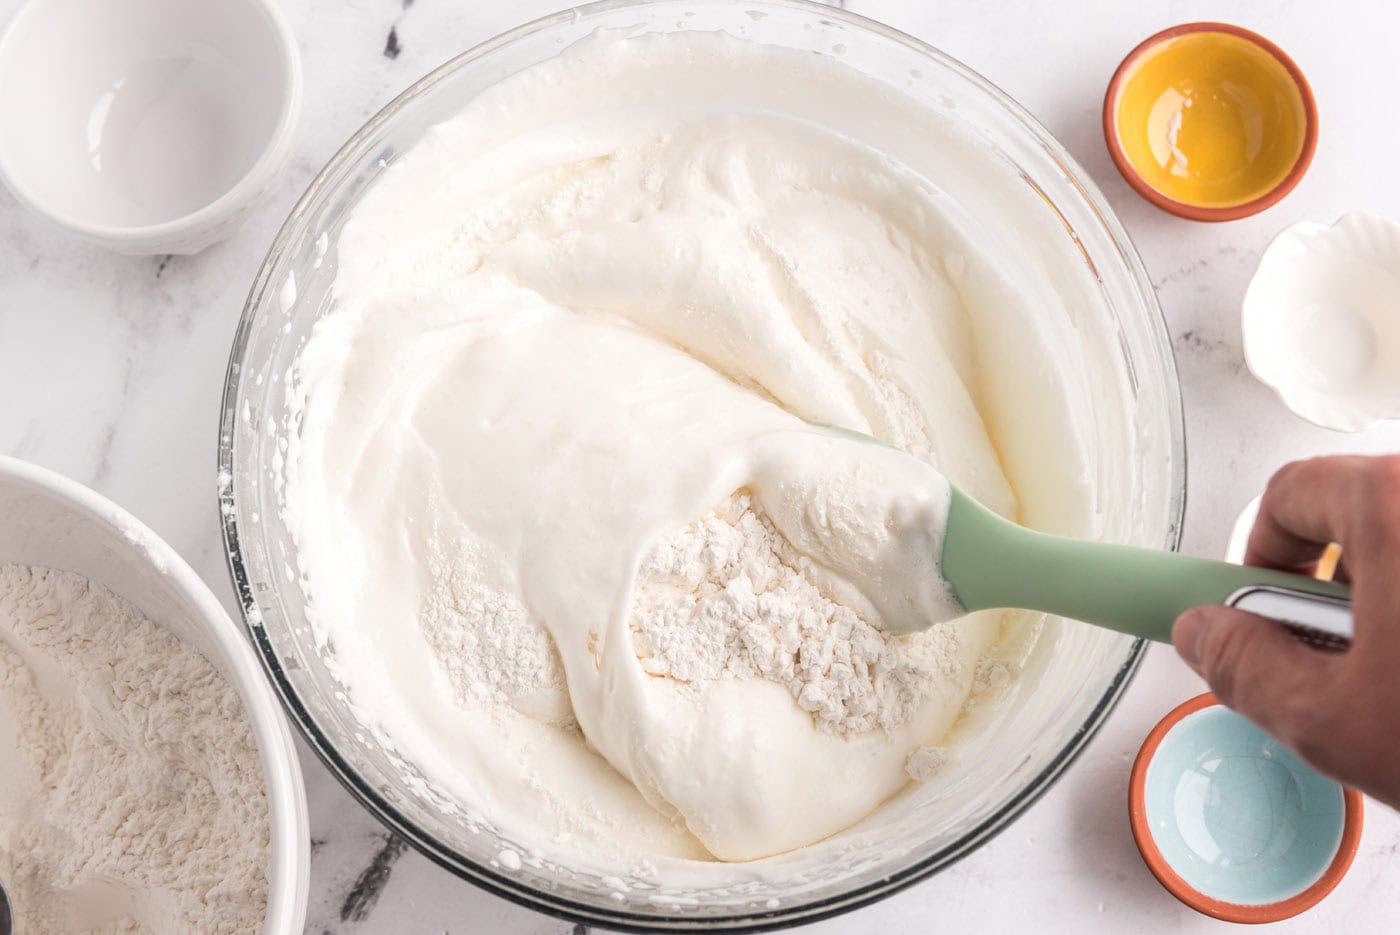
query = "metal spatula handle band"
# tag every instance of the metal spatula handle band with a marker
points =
(991, 563)
(1325, 622)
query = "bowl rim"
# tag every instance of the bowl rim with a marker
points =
(288, 816)
(1185, 209)
(229, 202)
(1300, 399)
(1174, 883)
(503, 885)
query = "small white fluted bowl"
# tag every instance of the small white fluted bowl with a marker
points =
(1321, 321)
(47, 519)
(147, 126)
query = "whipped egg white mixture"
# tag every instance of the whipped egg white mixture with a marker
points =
(564, 445)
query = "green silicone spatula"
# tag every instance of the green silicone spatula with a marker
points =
(990, 562)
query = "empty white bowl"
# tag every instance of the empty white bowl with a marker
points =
(1321, 321)
(147, 126)
(49, 520)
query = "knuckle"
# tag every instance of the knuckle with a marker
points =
(1287, 481)
(1284, 477)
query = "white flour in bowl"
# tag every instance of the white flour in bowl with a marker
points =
(135, 801)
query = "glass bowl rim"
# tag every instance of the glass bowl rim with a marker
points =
(625, 920)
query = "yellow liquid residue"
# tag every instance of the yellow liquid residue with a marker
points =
(1210, 119)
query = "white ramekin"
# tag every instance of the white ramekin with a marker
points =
(47, 519)
(147, 126)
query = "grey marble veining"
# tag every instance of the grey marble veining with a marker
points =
(111, 371)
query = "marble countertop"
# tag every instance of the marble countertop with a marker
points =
(111, 370)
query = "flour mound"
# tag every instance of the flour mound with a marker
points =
(728, 597)
(131, 798)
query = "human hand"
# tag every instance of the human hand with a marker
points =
(1338, 711)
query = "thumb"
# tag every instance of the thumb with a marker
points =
(1256, 667)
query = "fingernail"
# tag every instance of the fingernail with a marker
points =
(1186, 637)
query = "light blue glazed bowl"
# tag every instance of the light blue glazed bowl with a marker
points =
(1233, 823)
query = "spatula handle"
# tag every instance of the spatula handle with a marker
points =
(990, 562)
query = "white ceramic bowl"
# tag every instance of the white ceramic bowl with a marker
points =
(46, 519)
(147, 126)
(1321, 321)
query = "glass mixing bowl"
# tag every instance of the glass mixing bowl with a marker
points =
(1105, 318)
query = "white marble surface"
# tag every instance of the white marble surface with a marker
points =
(111, 370)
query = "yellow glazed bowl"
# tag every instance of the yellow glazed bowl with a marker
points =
(1210, 121)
